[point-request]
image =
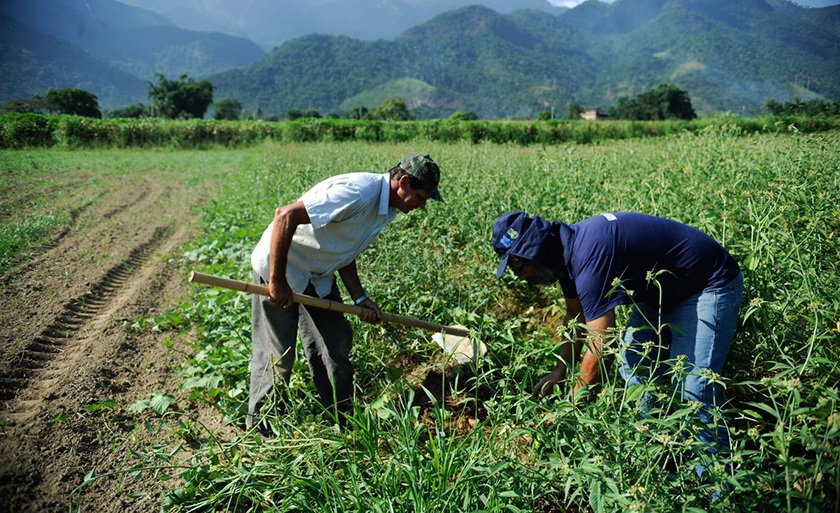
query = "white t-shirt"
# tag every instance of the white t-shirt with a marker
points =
(347, 212)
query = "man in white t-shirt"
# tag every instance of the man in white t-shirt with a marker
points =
(300, 251)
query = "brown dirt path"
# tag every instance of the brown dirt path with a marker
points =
(65, 344)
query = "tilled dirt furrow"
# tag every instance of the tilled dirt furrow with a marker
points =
(55, 243)
(60, 285)
(65, 345)
(75, 315)
(56, 240)
(44, 346)
(49, 245)
(123, 208)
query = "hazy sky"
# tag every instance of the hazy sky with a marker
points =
(810, 3)
(571, 3)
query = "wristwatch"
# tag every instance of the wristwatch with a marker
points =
(361, 299)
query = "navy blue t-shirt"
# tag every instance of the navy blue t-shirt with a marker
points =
(626, 245)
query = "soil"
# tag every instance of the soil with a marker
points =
(66, 343)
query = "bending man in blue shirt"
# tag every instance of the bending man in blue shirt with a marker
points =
(684, 288)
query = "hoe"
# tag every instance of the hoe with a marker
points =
(453, 339)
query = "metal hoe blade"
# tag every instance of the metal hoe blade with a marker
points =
(462, 349)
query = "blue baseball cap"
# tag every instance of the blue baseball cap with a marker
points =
(516, 234)
(507, 233)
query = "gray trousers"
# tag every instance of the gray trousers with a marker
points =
(327, 338)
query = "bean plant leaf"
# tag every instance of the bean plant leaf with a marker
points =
(379, 406)
(160, 402)
(139, 406)
(102, 405)
(208, 381)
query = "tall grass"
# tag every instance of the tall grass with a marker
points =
(430, 438)
(17, 238)
(36, 130)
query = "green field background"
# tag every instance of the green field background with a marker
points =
(76, 132)
(770, 199)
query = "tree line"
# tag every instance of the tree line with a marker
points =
(797, 107)
(186, 98)
(57, 101)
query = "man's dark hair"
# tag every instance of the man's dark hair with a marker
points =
(397, 172)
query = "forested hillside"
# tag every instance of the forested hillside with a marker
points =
(272, 22)
(33, 61)
(729, 56)
(135, 40)
(471, 58)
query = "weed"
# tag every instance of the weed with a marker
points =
(473, 439)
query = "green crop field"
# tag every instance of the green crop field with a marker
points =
(431, 438)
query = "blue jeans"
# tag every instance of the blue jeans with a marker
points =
(701, 328)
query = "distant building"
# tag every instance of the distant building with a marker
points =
(593, 114)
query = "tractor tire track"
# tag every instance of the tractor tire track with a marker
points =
(50, 244)
(51, 440)
(40, 283)
(65, 341)
(123, 208)
(53, 242)
(76, 313)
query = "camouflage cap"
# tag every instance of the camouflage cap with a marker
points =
(424, 169)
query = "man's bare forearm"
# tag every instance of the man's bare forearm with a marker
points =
(569, 353)
(286, 220)
(281, 239)
(350, 277)
(590, 367)
(599, 331)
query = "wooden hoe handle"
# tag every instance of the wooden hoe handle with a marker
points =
(326, 304)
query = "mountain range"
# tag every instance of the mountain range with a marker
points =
(100, 44)
(272, 22)
(501, 62)
(33, 62)
(729, 55)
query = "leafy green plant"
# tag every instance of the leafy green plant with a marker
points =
(102, 405)
(158, 402)
(25, 130)
(429, 438)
